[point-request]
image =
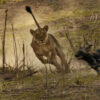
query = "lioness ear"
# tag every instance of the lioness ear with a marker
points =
(32, 31)
(45, 28)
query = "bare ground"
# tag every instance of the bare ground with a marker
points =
(56, 87)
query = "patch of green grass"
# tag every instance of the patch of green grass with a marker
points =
(38, 91)
(85, 80)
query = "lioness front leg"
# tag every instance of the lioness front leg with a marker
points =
(54, 62)
(41, 58)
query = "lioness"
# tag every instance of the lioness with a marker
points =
(47, 48)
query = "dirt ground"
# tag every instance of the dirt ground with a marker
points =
(52, 86)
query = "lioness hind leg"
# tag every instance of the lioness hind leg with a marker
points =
(62, 58)
(54, 62)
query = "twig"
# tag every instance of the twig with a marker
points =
(3, 41)
(70, 42)
(15, 48)
(46, 72)
(23, 56)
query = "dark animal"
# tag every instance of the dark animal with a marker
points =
(93, 59)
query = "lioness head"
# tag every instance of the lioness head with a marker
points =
(40, 35)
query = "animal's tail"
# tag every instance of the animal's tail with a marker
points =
(28, 9)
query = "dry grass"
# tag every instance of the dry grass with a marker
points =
(56, 87)
(7, 1)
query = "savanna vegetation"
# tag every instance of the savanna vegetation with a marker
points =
(24, 76)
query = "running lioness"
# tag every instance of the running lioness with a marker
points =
(46, 48)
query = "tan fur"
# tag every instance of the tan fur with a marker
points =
(47, 48)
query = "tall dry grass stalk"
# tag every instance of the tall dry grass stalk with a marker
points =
(15, 48)
(3, 41)
(23, 56)
(69, 40)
